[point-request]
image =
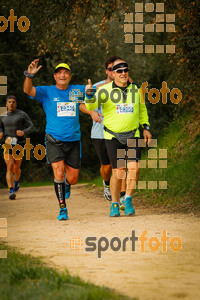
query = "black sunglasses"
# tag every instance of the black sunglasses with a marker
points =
(122, 70)
(109, 69)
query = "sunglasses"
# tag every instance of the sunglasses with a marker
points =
(109, 69)
(122, 70)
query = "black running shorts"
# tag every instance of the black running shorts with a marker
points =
(100, 147)
(130, 154)
(67, 151)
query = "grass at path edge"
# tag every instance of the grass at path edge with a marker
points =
(28, 278)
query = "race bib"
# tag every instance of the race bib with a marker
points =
(11, 141)
(126, 108)
(66, 109)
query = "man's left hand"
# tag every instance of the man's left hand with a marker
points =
(96, 116)
(147, 136)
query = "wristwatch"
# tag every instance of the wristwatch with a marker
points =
(146, 127)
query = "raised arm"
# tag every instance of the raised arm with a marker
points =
(90, 98)
(30, 73)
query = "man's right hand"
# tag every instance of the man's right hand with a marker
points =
(33, 67)
(89, 88)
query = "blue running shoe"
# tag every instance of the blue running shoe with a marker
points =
(16, 186)
(12, 194)
(129, 210)
(122, 202)
(67, 190)
(114, 210)
(63, 214)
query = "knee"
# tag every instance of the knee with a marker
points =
(16, 169)
(72, 179)
(133, 174)
(10, 167)
(119, 174)
(59, 173)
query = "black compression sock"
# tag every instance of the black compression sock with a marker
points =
(122, 194)
(60, 192)
(107, 182)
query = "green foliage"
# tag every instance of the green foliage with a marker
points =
(25, 277)
(181, 140)
(84, 34)
(186, 60)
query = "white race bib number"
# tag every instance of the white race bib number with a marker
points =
(126, 108)
(66, 109)
(11, 141)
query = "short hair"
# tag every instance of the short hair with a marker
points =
(11, 97)
(110, 60)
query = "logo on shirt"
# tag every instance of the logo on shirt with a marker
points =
(56, 99)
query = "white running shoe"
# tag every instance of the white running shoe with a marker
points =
(107, 193)
(122, 202)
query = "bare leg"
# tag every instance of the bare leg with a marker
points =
(132, 177)
(71, 174)
(106, 171)
(115, 183)
(17, 170)
(9, 160)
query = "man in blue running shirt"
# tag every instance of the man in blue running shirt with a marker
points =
(61, 103)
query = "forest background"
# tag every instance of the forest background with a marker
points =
(83, 34)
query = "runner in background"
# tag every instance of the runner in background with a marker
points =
(13, 127)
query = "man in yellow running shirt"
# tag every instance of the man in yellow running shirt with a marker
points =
(124, 111)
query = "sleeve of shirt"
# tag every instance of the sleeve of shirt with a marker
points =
(28, 123)
(41, 93)
(143, 116)
(82, 97)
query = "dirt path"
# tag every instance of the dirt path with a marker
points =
(33, 226)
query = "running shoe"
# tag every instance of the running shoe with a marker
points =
(107, 193)
(67, 190)
(114, 210)
(12, 194)
(63, 214)
(16, 186)
(122, 202)
(129, 210)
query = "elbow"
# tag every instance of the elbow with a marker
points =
(26, 90)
